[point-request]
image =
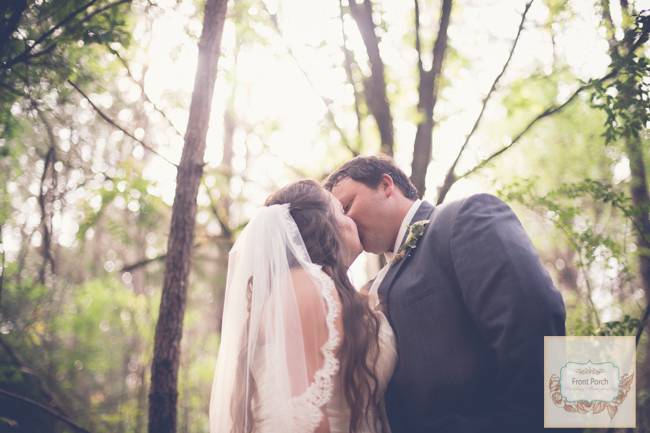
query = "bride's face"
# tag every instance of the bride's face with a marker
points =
(348, 230)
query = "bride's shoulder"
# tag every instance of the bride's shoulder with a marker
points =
(318, 299)
(313, 288)
(304, 285)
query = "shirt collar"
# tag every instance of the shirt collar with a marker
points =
(405, 224)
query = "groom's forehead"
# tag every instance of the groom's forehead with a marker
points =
(344, 188)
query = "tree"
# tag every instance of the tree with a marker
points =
(375, 84)
(626, 101)
(42, 43)
(430, 83)
(428, 90)
(169, 329)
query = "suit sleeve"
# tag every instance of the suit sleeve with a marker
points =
(512, 301)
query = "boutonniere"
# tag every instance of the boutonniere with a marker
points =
(414, 233)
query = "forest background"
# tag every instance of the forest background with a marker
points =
(137, 137)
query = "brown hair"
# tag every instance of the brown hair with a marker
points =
(311, 209)
(369, 170)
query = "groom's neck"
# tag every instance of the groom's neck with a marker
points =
(402, 207)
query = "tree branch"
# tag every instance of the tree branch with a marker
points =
(428, 88)
(609, 24)
(326, 102)
(486, 99)
(112, 122)
(12, 90)
(24, 369)
(44, 408)
(2, 264)
(418, 43)
(227, 232)
(440, 46)
(50, 159)
(13, 21)
(642, 38)
(643, 323)
(375, 85)
(25, 53)
(159, 258)
(348, 59)
(140, 263)
(139, 83)
(104, 8)
(45, 51)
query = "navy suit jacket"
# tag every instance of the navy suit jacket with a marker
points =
(470, 307)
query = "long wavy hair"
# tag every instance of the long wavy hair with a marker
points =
(312, 210)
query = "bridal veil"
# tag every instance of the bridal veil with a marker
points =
(277, 361)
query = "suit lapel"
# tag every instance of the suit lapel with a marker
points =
(423, 212)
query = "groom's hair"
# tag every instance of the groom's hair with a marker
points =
(368, 170)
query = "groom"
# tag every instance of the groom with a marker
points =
(470, 304)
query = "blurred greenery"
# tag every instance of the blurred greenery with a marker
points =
(85, 208)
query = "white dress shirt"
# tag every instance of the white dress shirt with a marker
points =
(389, 255)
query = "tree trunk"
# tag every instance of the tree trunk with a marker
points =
(634, 149)
(641, 200)
(375, 85)
(169, 329)
(46, 200)
(428, 95)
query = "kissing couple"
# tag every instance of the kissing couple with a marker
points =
(447, 338)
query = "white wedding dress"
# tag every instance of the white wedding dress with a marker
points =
(336, 408)
(277, 368)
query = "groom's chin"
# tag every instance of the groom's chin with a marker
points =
(370, 250)
(354, 258)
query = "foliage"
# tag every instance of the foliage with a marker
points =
(87, 329)
(626, 98)
(43, 44)
(598, 247)
(628, 325)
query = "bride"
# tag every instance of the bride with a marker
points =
(301, 350)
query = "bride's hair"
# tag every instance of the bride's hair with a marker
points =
(312, 210)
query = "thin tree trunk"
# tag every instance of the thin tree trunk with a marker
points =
(639, 193)
(45, 409)
(638, 189)
(634, 149)
(169, 329)
(348, 59)
(451, 176)
(375, 84)
(2, 265)
(428, 95)
(45, 201)
(641, 200)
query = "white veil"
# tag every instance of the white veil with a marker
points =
(276, 366)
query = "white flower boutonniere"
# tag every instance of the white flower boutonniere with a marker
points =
(414, 233)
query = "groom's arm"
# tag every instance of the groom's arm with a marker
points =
(513, 303)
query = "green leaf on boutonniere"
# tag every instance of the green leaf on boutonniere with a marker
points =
(414, 233)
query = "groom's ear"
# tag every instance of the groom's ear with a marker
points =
(386, 185)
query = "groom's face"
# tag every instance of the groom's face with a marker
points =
(370, 210)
